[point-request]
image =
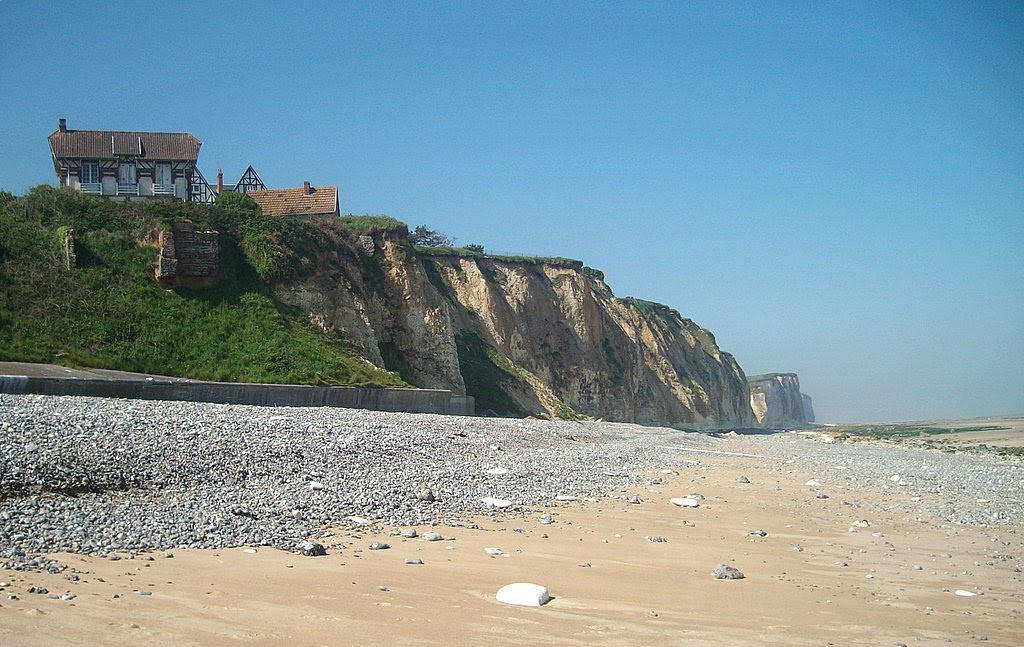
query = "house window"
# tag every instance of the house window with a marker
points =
(90, 172)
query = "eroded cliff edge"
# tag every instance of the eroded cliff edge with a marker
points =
(778, 403)
(523, 336)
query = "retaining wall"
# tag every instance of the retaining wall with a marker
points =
(281, 395)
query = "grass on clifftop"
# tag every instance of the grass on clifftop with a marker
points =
(366, 224)
(109, 312)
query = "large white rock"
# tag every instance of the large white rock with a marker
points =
(686, 502)
(523, 594)
(497, 471)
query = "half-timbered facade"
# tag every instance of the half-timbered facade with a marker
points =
(125, 164)
(203, 191)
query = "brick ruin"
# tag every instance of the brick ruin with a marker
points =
(186, 253)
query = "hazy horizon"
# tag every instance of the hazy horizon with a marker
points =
(835, 191)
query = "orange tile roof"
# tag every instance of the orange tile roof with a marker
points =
(319, 201)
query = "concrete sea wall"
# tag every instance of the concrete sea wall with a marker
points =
(281, 395)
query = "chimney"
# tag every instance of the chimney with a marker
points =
(62, 125)
(305, 187)
(220, 181)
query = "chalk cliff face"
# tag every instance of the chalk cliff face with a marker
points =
(522, 337)
(777, 401)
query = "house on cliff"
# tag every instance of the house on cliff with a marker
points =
(125, 164)
(306, 202)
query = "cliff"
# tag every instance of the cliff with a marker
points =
(777, 401)
(523, 336)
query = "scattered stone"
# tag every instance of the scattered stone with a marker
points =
(379, 545)
(431, 536)
(407, 533)
(634, 500)
(584, 564)
(143, 593)
(657, 539)
(545, 519)
(426, 494)
(492, 502)
(965, 594)
(798, 548)
(757, 533)
(861, 523)
(743, 479)
(523, 594)
(566, 497)
(685, 502)
(497, 471)
(359, 521)
(494, 552)
(726, 572)
(316, 486)
(812, 483)
(310, 549)
(413, 560)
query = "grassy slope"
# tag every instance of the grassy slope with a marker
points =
(110, 313)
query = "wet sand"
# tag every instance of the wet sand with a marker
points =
(844, 587)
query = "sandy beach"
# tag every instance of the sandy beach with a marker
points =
(620, 573)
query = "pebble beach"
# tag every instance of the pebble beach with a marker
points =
(192, 523)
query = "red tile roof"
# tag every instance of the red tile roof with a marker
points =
(107, 144)
(319, 201)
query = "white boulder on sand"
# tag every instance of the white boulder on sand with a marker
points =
(523, 594)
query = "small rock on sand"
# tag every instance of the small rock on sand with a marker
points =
(685, 502)
(726, 572)
(310, 549)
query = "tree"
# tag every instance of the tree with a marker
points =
(423, 236)
(476, 249)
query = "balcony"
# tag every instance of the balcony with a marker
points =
(127, 189)
(163, 189)
(91, 187)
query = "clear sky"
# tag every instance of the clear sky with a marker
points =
(833, 189)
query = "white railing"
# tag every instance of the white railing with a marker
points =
(163, 189)
(91, 187)
(130, 189)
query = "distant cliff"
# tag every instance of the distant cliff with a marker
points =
(777, 401)
(542, 337)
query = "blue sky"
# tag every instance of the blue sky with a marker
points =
(833, 189)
